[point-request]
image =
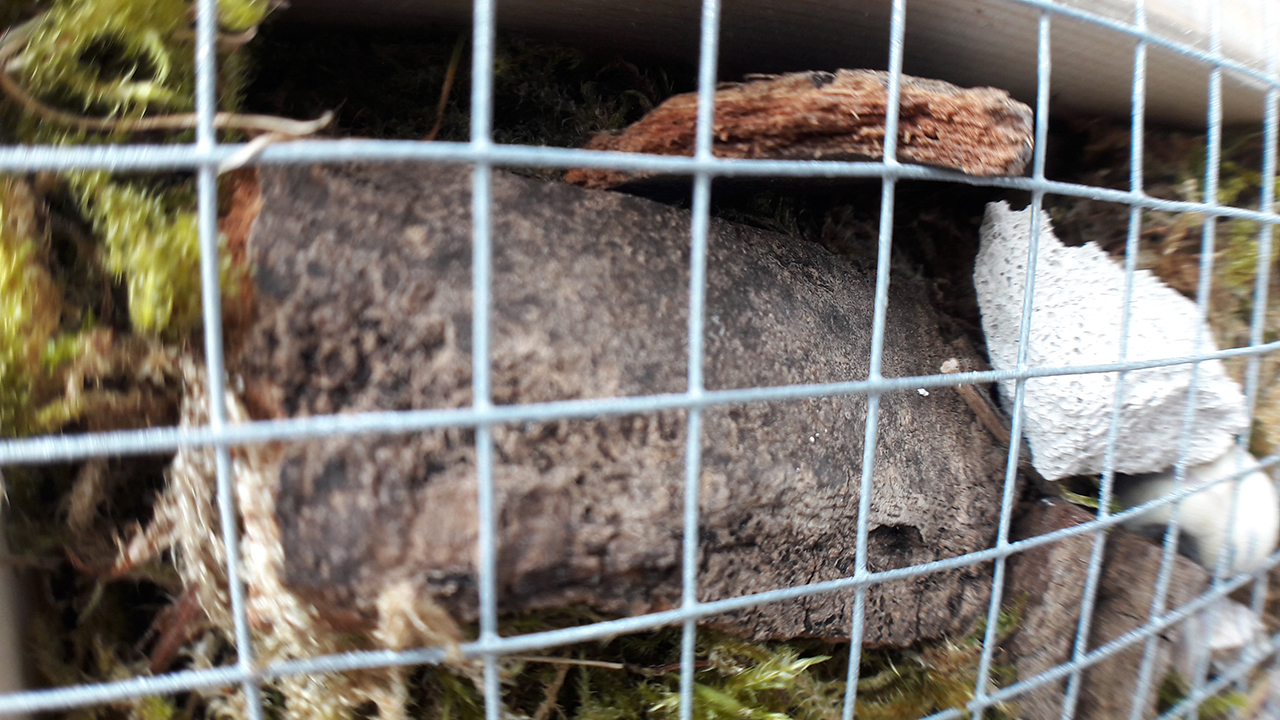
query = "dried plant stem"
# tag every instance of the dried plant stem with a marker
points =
(445, 91)
(980, 407)
(228, 41)
(552, 692)
(628, 667)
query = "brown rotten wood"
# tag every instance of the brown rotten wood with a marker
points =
(835, 116)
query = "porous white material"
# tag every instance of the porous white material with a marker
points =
(1079, 294)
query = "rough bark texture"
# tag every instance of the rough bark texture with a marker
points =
(835, 116)
(1124, 603)
(364, 303)
(1049, 582)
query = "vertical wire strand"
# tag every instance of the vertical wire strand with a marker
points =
(991, 635)
(1209, 617)
(211, 300)
(482, 38)
(1164, 577)
(893, 102)
(1146, 668)
(1266, 203)
(1137, 119)
(708, 50)
(1226, 558)
(1262, 275)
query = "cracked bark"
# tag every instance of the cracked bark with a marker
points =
(834, 116)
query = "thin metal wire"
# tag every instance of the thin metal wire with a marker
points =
(708, 51)
(893, 106)
(991, 636)
(122, 158)
(204, 155)
(59, 698)
(1200, 645)
(1234, 674)
(41, 700)
(1262, 274)
(483, 31)
(1107, 482)
(154, 440)
(1168, 555)
(211, 298)
(1146, 667)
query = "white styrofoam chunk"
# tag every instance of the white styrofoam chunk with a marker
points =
(1239, 517)
(1079, 294)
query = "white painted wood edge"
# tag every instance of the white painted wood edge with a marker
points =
(967, 42)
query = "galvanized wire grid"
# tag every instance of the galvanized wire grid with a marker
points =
(206, 153)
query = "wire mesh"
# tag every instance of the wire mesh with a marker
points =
(205, 154)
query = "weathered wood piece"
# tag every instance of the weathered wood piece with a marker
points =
(1124, 603)
(1048, 583)
(835, 116)
(364, 303)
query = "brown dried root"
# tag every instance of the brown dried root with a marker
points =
(284, 625)
(88, 493)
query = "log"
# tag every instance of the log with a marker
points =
(1047, 582)
(362, 276)
(834, 116)
(1127, 586)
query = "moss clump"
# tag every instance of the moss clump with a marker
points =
(1175, 688)
(151, 243)
(30, 311)
(75, 248)
(108, 58)
(94, 71)
(638, 677)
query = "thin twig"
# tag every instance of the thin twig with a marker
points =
(254, 147)
(449, 75)
(982, 408)
(628, 667)
(552, 660)
(552, 693)
(991, 420)
(224, 40)
(178, 628)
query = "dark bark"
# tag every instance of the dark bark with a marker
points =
(364, 303)
(1047, 582)
(1127, 586)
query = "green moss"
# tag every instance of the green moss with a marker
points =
(240, 15)
(109, 58)
(119, 58)
(638, 677)
(1174, 689)
(152, 243)
(1237, 265)
(30, 310)
(153, 708)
